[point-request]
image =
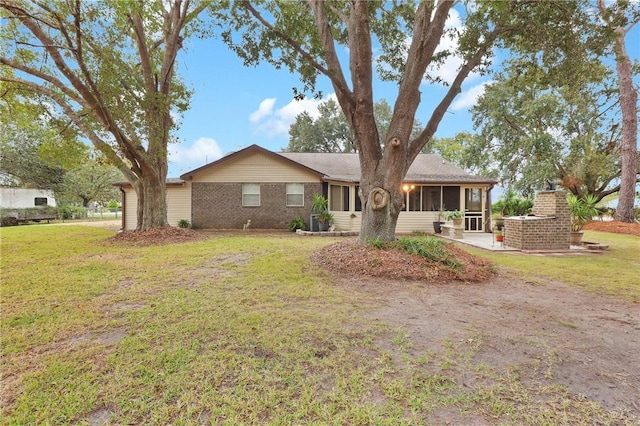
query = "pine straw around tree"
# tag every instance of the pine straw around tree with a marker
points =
(156, 236)
(614, 226)
(391, 261)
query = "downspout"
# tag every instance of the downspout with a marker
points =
(124, 208)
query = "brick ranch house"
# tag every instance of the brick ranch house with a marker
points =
(272, 188)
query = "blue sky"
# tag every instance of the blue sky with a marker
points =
(234, 106)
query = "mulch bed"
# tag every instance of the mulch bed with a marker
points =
(157, 236)
(351, 258)
(614, 227)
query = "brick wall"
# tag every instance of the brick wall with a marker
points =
(219, 205)
(548, 229)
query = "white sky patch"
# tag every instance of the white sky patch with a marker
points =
(448, 70)
(264, 110)
(468, 98)
(277, 122)
(199, 153)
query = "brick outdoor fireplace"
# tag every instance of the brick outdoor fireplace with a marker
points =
(547, 229)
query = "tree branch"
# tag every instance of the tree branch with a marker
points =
(334, 71)
(290, 41)
(46, 77)
(77, 120)
(455, 88)
(139, 37)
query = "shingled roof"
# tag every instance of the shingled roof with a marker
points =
(427, 168)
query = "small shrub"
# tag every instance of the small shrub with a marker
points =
(512, 205)
(297, 223)
(377, 243)
(71, 212)
(184, 223)
(431, 248)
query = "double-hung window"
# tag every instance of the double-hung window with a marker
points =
(295, 194)
(250, 194)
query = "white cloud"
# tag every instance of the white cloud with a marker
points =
(448, 70)
(468, 98)
(277, 122)
(199, 153)
(264, 110)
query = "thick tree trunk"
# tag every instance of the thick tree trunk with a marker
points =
(382, 196)
(379, 214)
(629, 154)
(152, 201)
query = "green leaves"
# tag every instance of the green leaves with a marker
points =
(535, 125)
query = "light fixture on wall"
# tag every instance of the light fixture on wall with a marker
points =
(407, 188)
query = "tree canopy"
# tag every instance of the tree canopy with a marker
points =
(91, 180)
(35, 147)
(556, 110)
(330, 132)
(338, 40)
(532, 130)
(109, 68)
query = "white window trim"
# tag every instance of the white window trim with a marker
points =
(294, 193)
(244, 192)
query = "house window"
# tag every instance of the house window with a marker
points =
(40, 201)
(295, 194)
(338, 198)
(358, 206)
(250, 194)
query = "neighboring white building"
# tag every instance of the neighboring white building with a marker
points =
(20, 198)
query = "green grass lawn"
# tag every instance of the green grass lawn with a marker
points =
(231, 330)
(615, 272)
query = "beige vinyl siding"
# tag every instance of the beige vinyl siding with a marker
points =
(178, 203)
(255, 167)
(344, 222)
(415, 221)
(131, 207)
(407, 221)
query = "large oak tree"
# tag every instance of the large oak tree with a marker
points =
(110, 69)
(348, 41)
(533, 128)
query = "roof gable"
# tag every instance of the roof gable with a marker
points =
(246, 152)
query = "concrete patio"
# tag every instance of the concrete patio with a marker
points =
(486, 241)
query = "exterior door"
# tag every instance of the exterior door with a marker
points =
(473, 211)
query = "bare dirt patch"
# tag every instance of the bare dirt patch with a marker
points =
(547, 335)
